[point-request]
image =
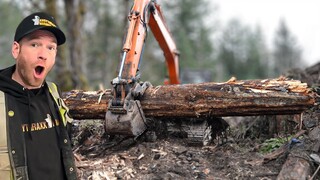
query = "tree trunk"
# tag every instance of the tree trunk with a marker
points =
(232, 98)
(75, 11)
(61, 73)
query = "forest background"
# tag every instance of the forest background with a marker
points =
(208, 51)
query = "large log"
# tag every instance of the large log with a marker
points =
(232, 98)
(295, 168)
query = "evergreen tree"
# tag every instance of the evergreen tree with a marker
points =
(103, 39)
(232, 50)
(257, 56)
(7, 30)
(242, 52)
(192, 28)
(287, 54)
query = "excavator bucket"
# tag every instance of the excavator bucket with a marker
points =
(127, 120)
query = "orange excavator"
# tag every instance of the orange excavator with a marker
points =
(124, 114)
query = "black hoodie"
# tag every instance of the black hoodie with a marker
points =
(33, 128)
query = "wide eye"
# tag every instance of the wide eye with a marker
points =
(52, 48)
(34, 44)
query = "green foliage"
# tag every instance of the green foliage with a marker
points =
(242, 52)
(188, 22)
(271, 144)
(7, 29)
(257, 56)
(287, 53)
(103, 42)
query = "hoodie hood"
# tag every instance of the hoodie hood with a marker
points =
(9, 86)
(13, 88)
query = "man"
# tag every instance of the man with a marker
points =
(37, 143)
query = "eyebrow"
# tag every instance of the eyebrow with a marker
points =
(33, 36)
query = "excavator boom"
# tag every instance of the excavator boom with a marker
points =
(124, 114)
(144, 14)
(166, 42)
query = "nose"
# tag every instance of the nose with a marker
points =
(42, 54)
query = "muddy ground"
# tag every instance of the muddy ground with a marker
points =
(169, 152)
(235, 153)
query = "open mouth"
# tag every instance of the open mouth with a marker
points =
(39, 70)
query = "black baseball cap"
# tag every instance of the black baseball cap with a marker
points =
(37, 21)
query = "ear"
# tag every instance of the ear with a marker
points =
(15, 49)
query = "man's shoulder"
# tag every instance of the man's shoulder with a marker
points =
(54, 89)
(7, 71)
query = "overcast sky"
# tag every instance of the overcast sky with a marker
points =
(302, 18)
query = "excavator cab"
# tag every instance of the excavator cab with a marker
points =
(124, 114)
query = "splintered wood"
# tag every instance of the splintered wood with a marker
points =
(232, 98)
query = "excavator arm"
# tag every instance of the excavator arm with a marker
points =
(124, 114)
(166, 42)
(144, 14)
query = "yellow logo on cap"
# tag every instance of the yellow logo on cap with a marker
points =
(42, 22)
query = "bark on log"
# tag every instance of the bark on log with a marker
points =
(232, 98)
(296, 166)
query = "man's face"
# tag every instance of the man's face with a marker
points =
(35, 56)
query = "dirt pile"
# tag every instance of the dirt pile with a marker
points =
(101, 157)
(163, 155)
